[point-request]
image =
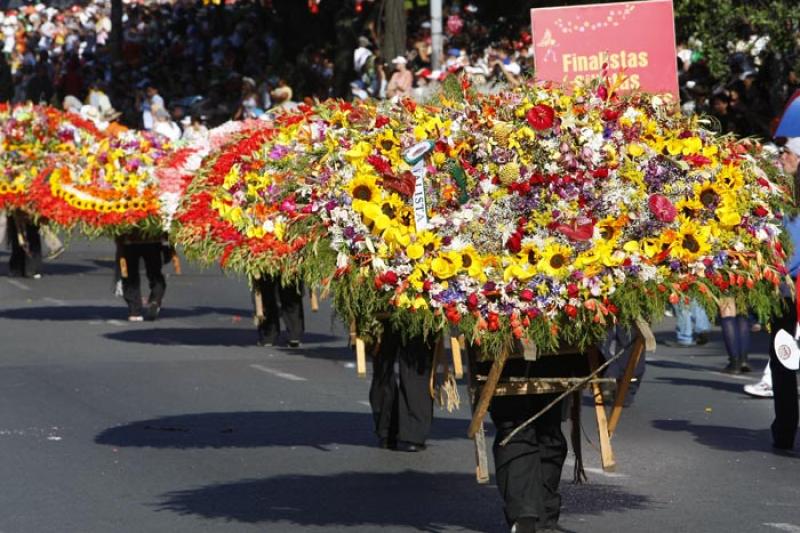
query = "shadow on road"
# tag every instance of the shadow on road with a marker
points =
(201, 336)
(726, 386)
(726, 438)
(426, 502)
(252, 429)
(107, 312)
(423, 501)
(54, 269)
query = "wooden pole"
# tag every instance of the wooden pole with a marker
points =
(123, 268)
(259, 301)
(487, 392)
(455, 349)
(606, 452)
(314, 301)
(622, 386)
(361, 358)
(176, 264)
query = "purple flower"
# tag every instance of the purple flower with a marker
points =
(278, 152)
(349, 232)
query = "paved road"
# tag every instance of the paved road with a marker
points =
(184, 425)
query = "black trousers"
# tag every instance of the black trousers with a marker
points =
(280, 302)
(784, 383)
(402, 406)
(20, 263)
(150, 253)
(528, 468)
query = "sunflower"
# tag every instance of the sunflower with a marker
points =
(689, 207)
(387, 142)
(692, 241)
(728, 211)
(471, 262)
(446, 264)
(363, 189)
(731, 178)
(556, 260)
(611, 227)
(707, 194)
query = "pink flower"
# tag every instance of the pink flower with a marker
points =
(662, 208)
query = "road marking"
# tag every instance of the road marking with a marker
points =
(55, 301)
(365, 402)
(278, 373)
(18, 284)
(784, 527)
(115, 322)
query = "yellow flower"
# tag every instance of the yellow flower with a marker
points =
(556, 260)
(728, 211)
(471, 262)
(363, 189)
(707, 194)
(358, 152)
(692, 145)
(692, 241)
(387, 142)
(446, 265)
(415, 251)
(635, 150)
(674, 147)
(689, 206)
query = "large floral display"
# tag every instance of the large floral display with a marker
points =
(251, 206)
(32, 138)
(540, 213)
(113, 186)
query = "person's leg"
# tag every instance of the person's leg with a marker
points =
(383, 389)
(743, 341)
(33, 262)
(684, 331)
(16, 263)
(153, 261)
(131, 289)
(292, 311)
(270, 327)
(784, 385)
(730, 339)
(518, 464)
(553, 452)
(700, 320)
(415, 405)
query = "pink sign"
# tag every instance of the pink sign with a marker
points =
(636, 39)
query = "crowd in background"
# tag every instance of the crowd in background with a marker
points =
(184, 65)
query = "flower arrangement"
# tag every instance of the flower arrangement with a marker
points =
(32, 138)
(543, 214)
(111, 186)
(251, 206)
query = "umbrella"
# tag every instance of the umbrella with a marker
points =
(789, 125)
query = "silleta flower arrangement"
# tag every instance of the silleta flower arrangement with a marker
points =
(32, 138)
(542, 214)
(111, 187)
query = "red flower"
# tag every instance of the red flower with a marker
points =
(526, 295)
(760, 211)
(472, 301)
(541, 117)
(662, 208)
(571, 310)
(381, 121)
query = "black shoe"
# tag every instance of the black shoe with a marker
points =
(746, 367)
(153, 309)
(732, 369)
(294, 344)
(411, 447)
(701, 339)
(525, 524)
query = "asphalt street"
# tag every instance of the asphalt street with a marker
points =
(184, 425)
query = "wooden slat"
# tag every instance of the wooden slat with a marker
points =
(455, 349)
(487, 391)
(606, 451)
(314, 301)
(622, 386)
(481, 460)
(361, 358)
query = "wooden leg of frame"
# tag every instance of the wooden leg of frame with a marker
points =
(458, 365)
(622, 386)
(361, 358)
(487, 392)
(606, 451)
(482, 461)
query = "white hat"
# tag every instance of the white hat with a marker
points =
(399, 60)
(793, 145)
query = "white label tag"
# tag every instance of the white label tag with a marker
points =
(420, 209)
(786, 350)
